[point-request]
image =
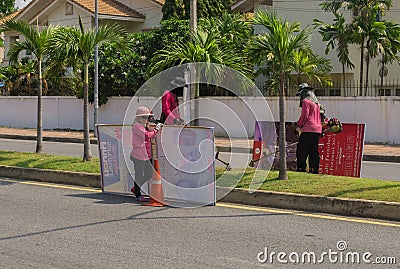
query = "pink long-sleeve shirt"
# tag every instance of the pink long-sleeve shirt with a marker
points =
(310, 118)
(141, 143)
(170, 107)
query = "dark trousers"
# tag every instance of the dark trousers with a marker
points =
(143, 172)
(308, 147)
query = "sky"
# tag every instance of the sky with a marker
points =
(21, 3)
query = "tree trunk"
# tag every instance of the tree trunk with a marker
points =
(362, 67)
(367, 70)
(39, 128)
(381, 74)
(282, 130)
(298, 79)
(87, 153)
(343, 78)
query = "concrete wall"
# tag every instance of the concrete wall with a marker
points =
(379, 114)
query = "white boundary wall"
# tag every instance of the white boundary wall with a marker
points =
(381, 115)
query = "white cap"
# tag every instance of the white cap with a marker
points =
(143, 111)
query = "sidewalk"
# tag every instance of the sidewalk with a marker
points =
(372, 152)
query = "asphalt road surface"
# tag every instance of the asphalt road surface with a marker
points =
(377, 170)
(54, 226)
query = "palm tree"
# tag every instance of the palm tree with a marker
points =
(337, 35)
(311, 65)
(37, 41)
(366, 11)
(78, 43)
(390, 48)
(233, 29)
(202, 47)
(276, 47)
(376, 37)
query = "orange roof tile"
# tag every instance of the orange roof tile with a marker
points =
(161, 2)
(10, 16)
(109, 7)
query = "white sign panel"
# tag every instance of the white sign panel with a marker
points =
(186, 157)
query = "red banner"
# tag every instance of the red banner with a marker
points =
(340, 153)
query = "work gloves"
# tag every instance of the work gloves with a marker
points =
(158, 126)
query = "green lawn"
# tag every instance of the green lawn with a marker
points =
(304, 183)
(333, 186)
(46, 161)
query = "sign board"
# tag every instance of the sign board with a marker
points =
(186, 158)
(340, 153)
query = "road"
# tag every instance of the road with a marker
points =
(54, 226)
(377, 170)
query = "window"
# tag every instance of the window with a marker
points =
(69, 9)
(397, 92)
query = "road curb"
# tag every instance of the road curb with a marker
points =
(381, 158)
(314, 203)
(309, 203)
(52, 176)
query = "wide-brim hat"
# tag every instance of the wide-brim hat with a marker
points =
(178, 82)
(143, 112)
(303, 87)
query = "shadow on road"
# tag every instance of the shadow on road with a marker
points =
(106, 198)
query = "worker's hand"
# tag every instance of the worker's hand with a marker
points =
(297, 129)
(179, 121)
(158, 126)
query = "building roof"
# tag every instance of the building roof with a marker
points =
(243, 5)
(248, 5)
(161, 2)
(109, 8)
(112, 8)
(10, 16)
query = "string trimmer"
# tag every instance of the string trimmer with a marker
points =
(251, 164)
(228, 167)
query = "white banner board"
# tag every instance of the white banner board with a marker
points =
(186, 156)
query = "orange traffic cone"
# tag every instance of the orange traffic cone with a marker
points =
(156, 191)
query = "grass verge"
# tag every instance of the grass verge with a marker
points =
(302, 183)
(46, 161)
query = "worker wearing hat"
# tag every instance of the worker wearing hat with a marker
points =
(141, 149)
(309, 124)
(170, 103)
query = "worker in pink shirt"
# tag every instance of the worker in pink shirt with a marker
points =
(170, 103)
(141, 149)
(310, 126)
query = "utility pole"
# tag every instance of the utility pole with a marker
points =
(96, 68)
(193, 15)
(193, 87)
